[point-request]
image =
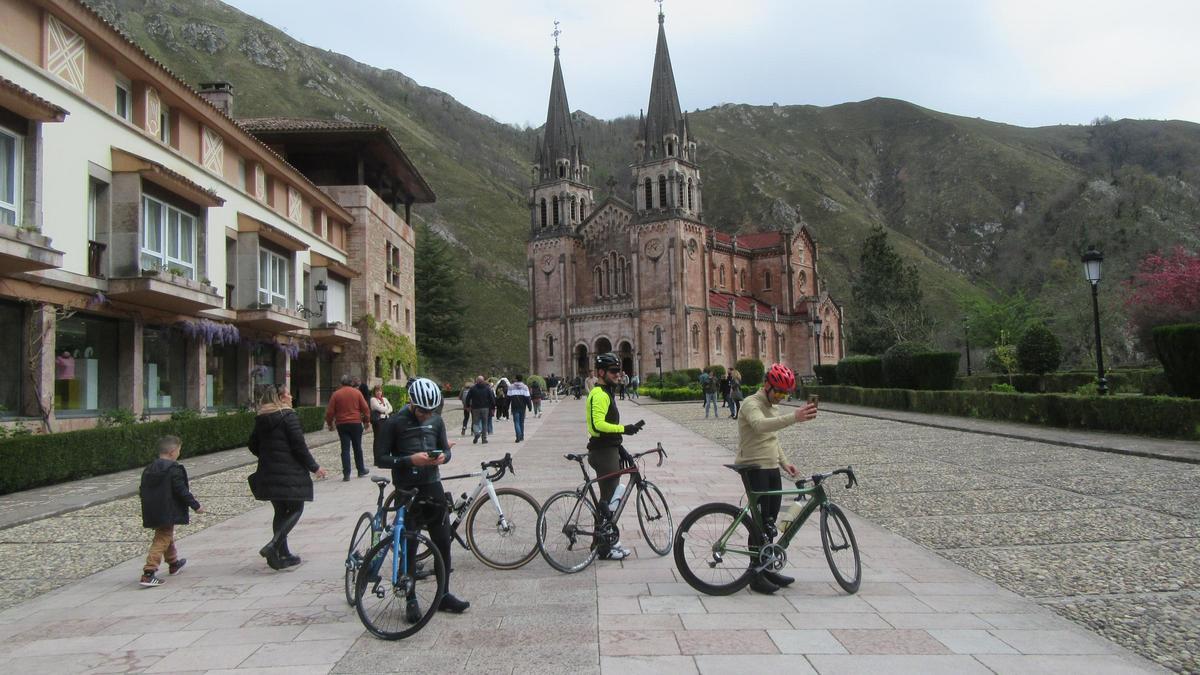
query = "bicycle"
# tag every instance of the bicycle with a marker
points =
(389, 579)
(495, 537)
(367, 532)
(711, 558)
(570, 526)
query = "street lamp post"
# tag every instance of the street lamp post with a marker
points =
(816, 319)
(658, 355)
(967, 338)
(1091, 270)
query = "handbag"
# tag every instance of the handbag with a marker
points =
(252, 481)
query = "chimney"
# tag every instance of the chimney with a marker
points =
(220, 94)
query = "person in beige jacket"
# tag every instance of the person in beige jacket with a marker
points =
(759, 422)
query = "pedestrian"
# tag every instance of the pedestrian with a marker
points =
(552, 383)
(709, 388)
(362, 389)
(349, 411)
(502, 399)
(462, 397)
(605, 451)
(535, 395)
(381, 407)
(724, 381)
(634, 383)
(165, 498)
(623, 384)
(480, 400)
(284, 463)
(734, 384)
(590, 382)
(519, 402)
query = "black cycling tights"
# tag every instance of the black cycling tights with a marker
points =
(760, 480)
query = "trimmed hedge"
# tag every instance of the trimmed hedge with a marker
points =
(899, 371)
(716, 370)
(1143, 415)
(684, 393)
(1178, 348)
(1148, 381)
(860, 371)
(47, 459)
(826, 375)
(752, 371)
(936, 370)
(1038, 350)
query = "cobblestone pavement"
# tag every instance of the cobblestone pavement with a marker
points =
(1107, 540)
(228, 613)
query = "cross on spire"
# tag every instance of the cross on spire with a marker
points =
(557, 31)
(660, 10)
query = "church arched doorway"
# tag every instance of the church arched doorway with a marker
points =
(581, 361)
(625, 353)
(603, 346)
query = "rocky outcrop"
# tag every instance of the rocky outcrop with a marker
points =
(264, 50)
(204, 37)
(161, 32)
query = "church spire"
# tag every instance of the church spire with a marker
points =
(559, 144)
(663, 114)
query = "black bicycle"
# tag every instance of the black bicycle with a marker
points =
(570, 530)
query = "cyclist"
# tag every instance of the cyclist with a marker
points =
(412, 443)
(604, 442)
(759, 422)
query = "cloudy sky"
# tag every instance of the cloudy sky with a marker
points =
(1026, 62)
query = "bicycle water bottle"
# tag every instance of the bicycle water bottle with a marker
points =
(791, 514)
(616, 498)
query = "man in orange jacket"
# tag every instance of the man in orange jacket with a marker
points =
(349, 411)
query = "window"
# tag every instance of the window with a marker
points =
(695, 337)
(762, 344)
(722, 275)
(574, 209)
(828, 340)
(168, 238)
(543, 212)
(766, 280)
(662, 192)
(10, 177)
(377, 314)
(11, 336)
(164, 370)
(86, 367)
(801, 280)
(272, 278)
(555, 202)
(649, 195)
(407, 319)
(689, 194)
(164, 125)
(550, 346)
(742, 278)
(562, 171)
(97, 225)
(741, 341)
(670, 148)
(124, 107)
(220, 375)
(718, 340)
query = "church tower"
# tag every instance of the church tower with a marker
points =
(560, 197)
(666, 179)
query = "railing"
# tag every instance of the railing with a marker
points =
(96, 259)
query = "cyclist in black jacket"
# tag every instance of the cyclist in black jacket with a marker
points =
(412, 443)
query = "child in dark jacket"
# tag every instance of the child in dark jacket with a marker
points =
(165, 501)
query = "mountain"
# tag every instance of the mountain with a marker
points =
(979, 206)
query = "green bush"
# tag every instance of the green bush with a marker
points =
(691, 393)
(716, 370)
(541, 383)
(899, 371)
(692, 374)
(860, 371)
(396, 394)
(826, 374)
(752, 371)
(1038, 350)
(47, 459)
(1143, 415)
(1178, 348)
(1006, 388)
(1148, 381)
(936, 370)
(679, 378)
(116, 417)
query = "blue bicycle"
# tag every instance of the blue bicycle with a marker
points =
(394, 596)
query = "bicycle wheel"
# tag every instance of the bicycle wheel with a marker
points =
(382, 596)
(562, 518)
(360, 543)
(841, 549)
(654, 516)
(704, 563)
(504, 543)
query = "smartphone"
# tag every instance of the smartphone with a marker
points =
(434, 454)
(813, 398)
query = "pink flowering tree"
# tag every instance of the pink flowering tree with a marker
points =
(1165, 290)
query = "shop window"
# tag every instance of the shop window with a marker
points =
(273, 270)
(10, 358)
(168, 238)
(221, 376)
(10, 177)
(268, 365)
(86, 366)
(164, 370)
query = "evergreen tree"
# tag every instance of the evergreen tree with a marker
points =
(439, 301)
(887, 299)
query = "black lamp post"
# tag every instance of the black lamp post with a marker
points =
(814, 308)
(658, 354)
(967, 338)
(1091, 270)
(321, 288)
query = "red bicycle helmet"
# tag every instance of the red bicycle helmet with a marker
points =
(781, 378)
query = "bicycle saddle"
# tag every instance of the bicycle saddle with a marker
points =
(740, 467)
(379, 481)
(573, 457)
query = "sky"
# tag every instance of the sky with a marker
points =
(1024, 62)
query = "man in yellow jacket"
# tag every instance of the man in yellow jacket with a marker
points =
(604, 440)
(759, 422)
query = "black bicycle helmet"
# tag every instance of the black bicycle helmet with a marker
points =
(606, 361)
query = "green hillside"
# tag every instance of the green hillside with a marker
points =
(978, 205)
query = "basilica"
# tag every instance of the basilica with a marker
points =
(646, 277)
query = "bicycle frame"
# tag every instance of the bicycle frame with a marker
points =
(486, 484)
(636, 480)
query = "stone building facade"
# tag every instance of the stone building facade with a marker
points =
(646, 277)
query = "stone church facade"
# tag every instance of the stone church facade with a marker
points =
(646, 278)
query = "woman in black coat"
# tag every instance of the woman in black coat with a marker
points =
(284, 463)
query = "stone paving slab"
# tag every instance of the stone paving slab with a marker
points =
(228, 612)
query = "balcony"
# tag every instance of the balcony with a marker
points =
(24, 250)
(335, 333)
(166, 291)
(270, 318)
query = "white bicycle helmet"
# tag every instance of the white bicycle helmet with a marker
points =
(424, 393)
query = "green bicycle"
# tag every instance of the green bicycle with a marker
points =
(719, 547)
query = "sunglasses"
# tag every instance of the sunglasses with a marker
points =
(614, 370)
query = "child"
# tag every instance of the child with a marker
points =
(165, 501)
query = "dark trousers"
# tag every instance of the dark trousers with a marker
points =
(466, 418)
(518, 418)
(604, 461)
(439, 530)
(351, 435)
(734, 406)
(287, 514)
(760, 480)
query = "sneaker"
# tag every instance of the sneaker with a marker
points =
(452, 604)
(485, 441)
(289, 560)
(173, 568)
(363, 473)
(622, 548)
(780, 580)
(759, 584)
(150, 581)
(615, 553)
(412, 611)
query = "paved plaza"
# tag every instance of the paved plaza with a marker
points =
(1023, 532)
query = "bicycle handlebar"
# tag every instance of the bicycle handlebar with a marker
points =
(501, 466)
(656, 450)
(851, 479)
